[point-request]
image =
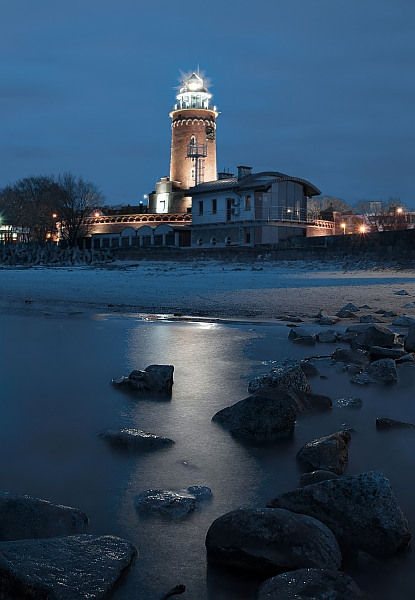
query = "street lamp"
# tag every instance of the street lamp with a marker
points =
(362, 229)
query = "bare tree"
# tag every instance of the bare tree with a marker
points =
(29, 205)
(77, 200)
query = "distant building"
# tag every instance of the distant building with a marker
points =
(193, 206)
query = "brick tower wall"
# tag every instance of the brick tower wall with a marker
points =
(185, 124)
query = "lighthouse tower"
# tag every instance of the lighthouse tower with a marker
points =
(193, 142)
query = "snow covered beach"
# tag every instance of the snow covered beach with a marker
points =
(260, 290)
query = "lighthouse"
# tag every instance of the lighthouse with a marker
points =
(193, 148)
(193, 140)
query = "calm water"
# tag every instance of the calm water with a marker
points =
(56, 396)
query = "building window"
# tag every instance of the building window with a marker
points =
(200, 207)
(228, 240)
(214, 206)
(247, 202)
(213, 241)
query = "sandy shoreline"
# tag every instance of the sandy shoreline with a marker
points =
(210, 289)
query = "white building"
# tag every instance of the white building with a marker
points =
(250, 209)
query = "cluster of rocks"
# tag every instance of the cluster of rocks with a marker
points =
(45, 552)
(32, 254)
(297, 544)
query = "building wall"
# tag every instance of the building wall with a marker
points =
(185, 124)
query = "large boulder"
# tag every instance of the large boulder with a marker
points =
(329, 453)
(299, 335)
(354, 357)
(173, 504)
(361, 510)
(26, 517)
(367, 335)
(155, 379)
(383, 370)
(266, 542)
(310, 584)
(378, 352)
(269, 413)
(383, 423)
(315, 477)
(62, 568)
(134, 439)
(285, 374)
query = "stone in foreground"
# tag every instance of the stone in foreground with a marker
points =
(310, 584)
(285, 374)
(269, 413)
(134, 439)
(155, 379)
(266, 542)
(361, 510)
(329, 453)
(63, 568)
(26, 517)
(173, 504)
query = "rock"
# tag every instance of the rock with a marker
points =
(26, 517)
(384, 423)
(350, 306)
(406, 358)
(377, 352)
(309, 401)
(178, 589)
(355, 357)
(389, 314)
(328, 337)
(310, 584)
(367, 335)
(350, 402)
(265, 542)
(134, 439)
(299, 332)
(173, 504)
(265, 415)
(269, 413)
(345, 314)
(315, 477)
(309, 370)
(401, 293)
(403, 321)
(63, 568)
(154, 379)
(328, 320)
(285, 374)
(370, 319)
(409, 343)
(361, 510)
(329, 453)
(383, 370)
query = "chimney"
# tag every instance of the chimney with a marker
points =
(244, 172)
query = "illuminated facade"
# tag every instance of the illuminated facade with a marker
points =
(193, 148)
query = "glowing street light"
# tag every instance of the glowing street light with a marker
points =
(362, 229)
(399, 210)
(343, 226)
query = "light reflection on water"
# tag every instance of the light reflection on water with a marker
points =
(56, 396)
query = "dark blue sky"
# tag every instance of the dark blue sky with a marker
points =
(318, 89)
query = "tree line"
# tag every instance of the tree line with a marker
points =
(42, 206)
